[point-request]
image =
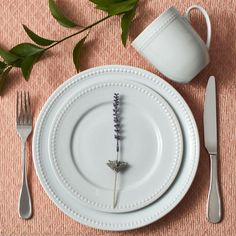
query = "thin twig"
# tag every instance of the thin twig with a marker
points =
(78, 32)
(114, 191)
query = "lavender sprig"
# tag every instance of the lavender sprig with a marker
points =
(116, 165)
(116, 115)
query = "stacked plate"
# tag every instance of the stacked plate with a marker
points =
(74, 139)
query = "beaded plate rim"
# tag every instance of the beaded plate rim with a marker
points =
(177, 158)
(156, 81)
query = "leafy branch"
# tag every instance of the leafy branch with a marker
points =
(25, 55)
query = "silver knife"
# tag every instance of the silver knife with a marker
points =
(214, 211)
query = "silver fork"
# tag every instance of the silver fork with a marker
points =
(24, 128)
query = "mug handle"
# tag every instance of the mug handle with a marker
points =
(207, 18)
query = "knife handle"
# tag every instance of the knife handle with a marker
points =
(214, 211)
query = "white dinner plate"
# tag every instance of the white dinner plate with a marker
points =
(82, 141)
(104, 220)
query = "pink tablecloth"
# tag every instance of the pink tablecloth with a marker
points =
(104, 47)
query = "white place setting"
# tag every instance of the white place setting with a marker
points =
(73, 140)
(117, 146)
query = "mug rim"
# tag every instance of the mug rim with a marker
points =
(154, 28)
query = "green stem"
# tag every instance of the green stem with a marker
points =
(78, 32)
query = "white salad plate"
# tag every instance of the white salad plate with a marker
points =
(66, 201)
(82, 141)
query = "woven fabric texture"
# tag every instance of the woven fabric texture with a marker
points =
(104, 47)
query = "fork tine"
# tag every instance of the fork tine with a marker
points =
(22, 115)
(29, 115)
(26, 116)
(25, 104)
(29, 107)
(23, 108)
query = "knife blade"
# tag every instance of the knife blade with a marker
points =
(210, 117)
(214, 212)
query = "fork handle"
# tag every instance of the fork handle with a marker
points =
(214, 211)
(24, 208)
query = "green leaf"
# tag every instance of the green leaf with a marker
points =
(27, 64)
(77, 53)
(17, 63)
(122, 7)
(8, 56)
(3, 78)
(2, 66)
(26, 49)
(126, 21)
(101, 4)
(37, 39)
(115, 7)
(104, 4)
(58, 15)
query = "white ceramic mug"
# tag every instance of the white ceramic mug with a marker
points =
(172, 45)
